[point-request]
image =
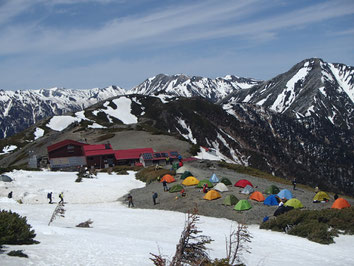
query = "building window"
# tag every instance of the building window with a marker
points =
(71, 148)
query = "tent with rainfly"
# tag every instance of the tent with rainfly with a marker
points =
(340, 203)
(211, 195)
(272, 190)
(321, 196)
(242, 205)
(271, 200)
(186, 174)
(181, 170)
(257, 196)
(247, 190)
(285, 193)
(168, 178)
(190, 181)
(205, 181)
(295, 203)
(176, 188)
(226, 181)
(230, 200)
(221, 187)
(214, 179)
(243, 183)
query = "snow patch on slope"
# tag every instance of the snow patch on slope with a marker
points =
(8, 149)
(38, 133)
(188, 136)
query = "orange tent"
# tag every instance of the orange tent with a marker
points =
(168, 178)
(257, 196)
(212, 194)
(340, 203)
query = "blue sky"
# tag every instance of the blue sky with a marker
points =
(96, 43)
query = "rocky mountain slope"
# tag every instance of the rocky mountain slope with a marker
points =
(313, 91)
(21, 109)
(182, 85)
(240, 133)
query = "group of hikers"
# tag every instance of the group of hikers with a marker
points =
(50, 197)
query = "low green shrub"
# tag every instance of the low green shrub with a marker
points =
(14, 229)
(316, 225)
(150, 174)
(17, 253)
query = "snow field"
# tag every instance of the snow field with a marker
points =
(125, 236)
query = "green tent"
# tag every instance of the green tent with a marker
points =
(226, 181)
(230, 200)
(295, 203)
(176, 188)
(186, 174)
(204, 181)
(242, 205)
(272, 190)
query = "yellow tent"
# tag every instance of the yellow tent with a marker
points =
(190, 181)
(212, 194)
(321, 196)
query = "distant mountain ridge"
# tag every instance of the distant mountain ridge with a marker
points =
(185, 86)
(21, 109)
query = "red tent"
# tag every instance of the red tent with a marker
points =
(243, 183)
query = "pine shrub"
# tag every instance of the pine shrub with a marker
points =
(14, 229)
(17, 253)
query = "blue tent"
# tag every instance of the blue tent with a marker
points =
(214, 179)
(271, 200)
(285, 193)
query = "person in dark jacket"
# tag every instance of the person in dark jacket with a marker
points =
(130, 201)
(335, 196)
(154, 197)
(164, 184)
(9, 195)
(61, 196)
(294, 184)
(49, 196)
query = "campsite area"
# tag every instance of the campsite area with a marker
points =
(203, 169)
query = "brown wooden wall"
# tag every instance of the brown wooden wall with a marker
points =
(64, 151)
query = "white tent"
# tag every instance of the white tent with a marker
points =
(221, 187)
(247, 190)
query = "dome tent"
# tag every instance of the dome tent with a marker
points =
(214, 179)
(271, 200)
(186, 174)
(243, 183)
(321, 196)
(247, 190)
(181, 170)
(285, 193)
(204, 181)
(230, 200)
(257, 196)
(243, 205)
(168, 178)
(340, 203)
(176, 188)
(211, 195)
(190, 181)
(226, 181)
(295, 203)
(221, 187)
(272, 190)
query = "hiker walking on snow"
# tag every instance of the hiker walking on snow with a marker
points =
(164, 184)
(130, 201)
(49, 196)
(61, 196)
(154, 197)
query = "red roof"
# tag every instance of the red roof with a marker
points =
(64, 143)
(131, 153)
(98, 149)
(99, 152)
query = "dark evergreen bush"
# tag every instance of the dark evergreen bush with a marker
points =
(14, 229)
(316, 225)
(17, 253)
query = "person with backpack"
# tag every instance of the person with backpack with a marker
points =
(154, 197)
(49, 196)
(61, 196)
(294, 184)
